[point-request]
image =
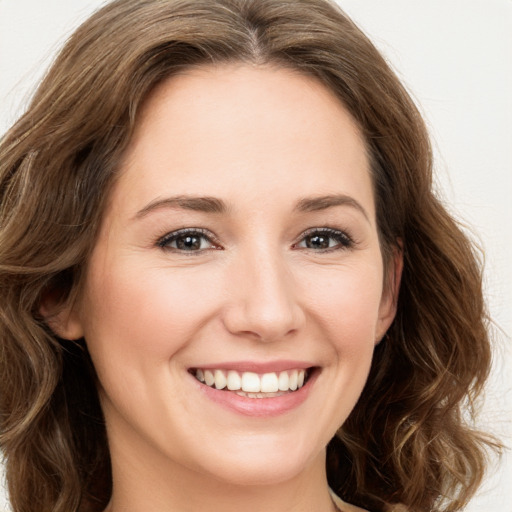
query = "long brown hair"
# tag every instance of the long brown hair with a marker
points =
(406, 440)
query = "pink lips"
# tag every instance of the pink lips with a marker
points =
(259, 407)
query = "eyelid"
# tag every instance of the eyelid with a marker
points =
(344, 239)
(348, 241)
(164, 240)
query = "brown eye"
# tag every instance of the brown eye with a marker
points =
(188, 243)
(317, 242)
(325, 239)
(189, 240)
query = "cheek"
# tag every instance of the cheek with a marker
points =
(140, 319)
(345, 302)
(343, 305)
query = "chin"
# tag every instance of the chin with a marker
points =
(256, 476)
(260, 469)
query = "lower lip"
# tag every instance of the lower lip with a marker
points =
(259, 407)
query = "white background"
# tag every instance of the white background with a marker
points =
(455, 57)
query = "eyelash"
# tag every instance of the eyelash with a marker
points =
(343, 240)
(174, 236)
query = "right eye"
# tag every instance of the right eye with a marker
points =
(187, 240)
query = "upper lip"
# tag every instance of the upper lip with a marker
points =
(257, 367)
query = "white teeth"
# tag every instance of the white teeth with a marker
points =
(284, 381)
(220, 379)
(300, 378)
(234, 381)
(293, 380)
(260, 395)
(251, 384)
(269, 383)
(209, 378)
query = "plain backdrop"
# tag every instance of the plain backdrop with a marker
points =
(455, 57)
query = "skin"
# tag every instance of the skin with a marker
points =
(260, 139)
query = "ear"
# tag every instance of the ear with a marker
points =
(61, 316)
(389, 299)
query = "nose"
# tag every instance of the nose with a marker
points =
(263, 303)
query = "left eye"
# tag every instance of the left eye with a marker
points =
(187, 240)
(325, 239)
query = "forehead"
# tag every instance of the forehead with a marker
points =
(219, 130)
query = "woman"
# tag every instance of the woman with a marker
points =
(226, 283)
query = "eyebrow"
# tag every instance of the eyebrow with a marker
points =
(314, 204)
(197, 204)
(215, 205)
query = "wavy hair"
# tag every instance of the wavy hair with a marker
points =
(407, 440)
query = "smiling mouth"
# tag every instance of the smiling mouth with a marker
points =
(251, 384)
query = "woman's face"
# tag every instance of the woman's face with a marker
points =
(240, 248)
